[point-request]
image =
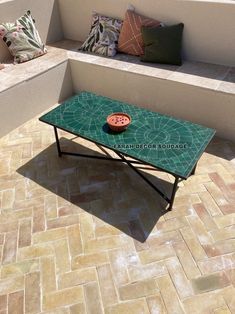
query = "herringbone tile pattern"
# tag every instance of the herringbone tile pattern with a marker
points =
(85, 236)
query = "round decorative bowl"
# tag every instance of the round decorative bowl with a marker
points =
(118, 121)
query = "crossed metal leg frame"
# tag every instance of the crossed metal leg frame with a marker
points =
(130, 163)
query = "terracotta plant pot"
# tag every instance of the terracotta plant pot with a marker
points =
(118, 121)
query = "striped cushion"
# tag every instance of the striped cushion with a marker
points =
(130, 39)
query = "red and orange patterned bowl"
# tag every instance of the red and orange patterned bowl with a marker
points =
(118, 121)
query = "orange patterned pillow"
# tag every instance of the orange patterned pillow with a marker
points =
(130, 39)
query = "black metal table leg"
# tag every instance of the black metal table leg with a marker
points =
(173, 193)
(57, 142)
(171, 200)
(144, 178)
(130, 163)
(194, 170)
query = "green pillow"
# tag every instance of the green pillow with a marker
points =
(163, 44)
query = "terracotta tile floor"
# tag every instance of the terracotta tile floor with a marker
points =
(85, 236)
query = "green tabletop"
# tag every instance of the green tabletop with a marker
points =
(170, 144)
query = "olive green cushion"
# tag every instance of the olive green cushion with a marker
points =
(163, 44)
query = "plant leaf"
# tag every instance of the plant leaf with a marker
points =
(33, 43)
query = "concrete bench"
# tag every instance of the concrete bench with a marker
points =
(197, 91)
(29, 88)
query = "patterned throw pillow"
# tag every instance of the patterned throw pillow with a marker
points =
(130, 40)
(22, 39)
(103, 36)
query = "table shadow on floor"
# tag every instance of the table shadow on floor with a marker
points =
(110, 191)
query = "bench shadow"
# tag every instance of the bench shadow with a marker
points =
(221, 148)
(54, 28)
(110, 191)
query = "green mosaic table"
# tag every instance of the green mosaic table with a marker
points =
(168, 144)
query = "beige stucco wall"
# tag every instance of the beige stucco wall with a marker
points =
(25, 100)
(200, 105)
(45, 12)
(209, 26)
